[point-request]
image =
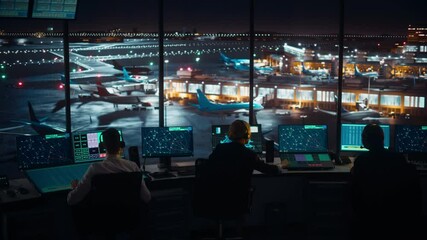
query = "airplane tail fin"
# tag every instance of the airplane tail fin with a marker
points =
(125, 74)
(102, 91)
(203, 100)
(224, 58)
(356, 70)
(33, 117)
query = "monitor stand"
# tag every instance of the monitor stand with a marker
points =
(165, 163)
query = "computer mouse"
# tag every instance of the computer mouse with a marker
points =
(23, 190)
(11, 193)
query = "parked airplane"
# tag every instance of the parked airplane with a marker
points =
(80, 87)
(357, 73)
(317, 73)
(242, 64)
(143, 70)
(352, 116)
(134, 78)
(39, 125)
(205, 105)
(104, 95)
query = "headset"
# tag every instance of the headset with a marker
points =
(110, 131)
(239, 129)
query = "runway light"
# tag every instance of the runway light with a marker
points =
(3, 76)
(61, 86)
(20, 84)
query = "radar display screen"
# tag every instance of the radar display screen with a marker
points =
(220, 135)
(410, 138)
(167, 141)
(303, 138)
(14, 8)
(43, 151)
(54, 9)
(351, 136)
(86, 146)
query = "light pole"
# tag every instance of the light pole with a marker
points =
(166, 67)
(197, 61)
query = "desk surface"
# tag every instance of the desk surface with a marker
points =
(153, 168)
(14, 186)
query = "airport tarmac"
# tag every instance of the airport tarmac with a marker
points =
(43, 92)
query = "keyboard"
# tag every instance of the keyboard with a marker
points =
(307, 161)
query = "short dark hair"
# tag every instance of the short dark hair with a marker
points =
(373, 136)
(111, 140)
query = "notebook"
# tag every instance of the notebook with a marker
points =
(304, 147)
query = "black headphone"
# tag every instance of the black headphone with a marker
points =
(101, 144)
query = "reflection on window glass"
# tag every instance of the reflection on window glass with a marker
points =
(192, 87)
(229, 90)
(212, 89)
(390, 100)
(372, 99)
(412, 101)
(325, 96)
(285, 93)
(348, 97)
(305, 95)
(265, 91)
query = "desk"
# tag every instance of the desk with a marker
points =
(18, 200)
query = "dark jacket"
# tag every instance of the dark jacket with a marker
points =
(386, 193)
(223, 183)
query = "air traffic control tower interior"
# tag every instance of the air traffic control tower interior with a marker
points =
(172, 77)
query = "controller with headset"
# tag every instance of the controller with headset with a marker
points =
(110, 131)
(235, 132)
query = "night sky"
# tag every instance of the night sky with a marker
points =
(212, 16)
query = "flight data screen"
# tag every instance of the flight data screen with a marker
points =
(54, 9)
(167, 141)
(14, 8)
(410, 138)
(303, 138)
(86, 146)
(220, 135)
(351, 136)
(43, 151)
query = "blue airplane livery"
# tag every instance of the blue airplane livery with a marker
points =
(205, 105)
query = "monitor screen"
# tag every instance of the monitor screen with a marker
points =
(43, 151)
(54, 9)
(351, 136)
(303, 138)
(14, 8)
(220, 135)
(167, 141)
(86, 146)
(410, 138)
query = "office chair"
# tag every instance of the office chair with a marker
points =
(218, 199)
(112, 207)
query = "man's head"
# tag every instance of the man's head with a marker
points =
(240, 131)
(373, 137)
(111, 141)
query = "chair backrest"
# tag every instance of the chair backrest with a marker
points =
(214, 197)
(115, 200)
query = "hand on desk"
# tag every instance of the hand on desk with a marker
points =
(74, 183)
(284, 164)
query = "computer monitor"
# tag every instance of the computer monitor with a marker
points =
(298, 138)
(410, 138)
(59, 9)
(14, 8)
(167, 141)
(43, 151)
(86, 146)
(351, 136)
(220, 135)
